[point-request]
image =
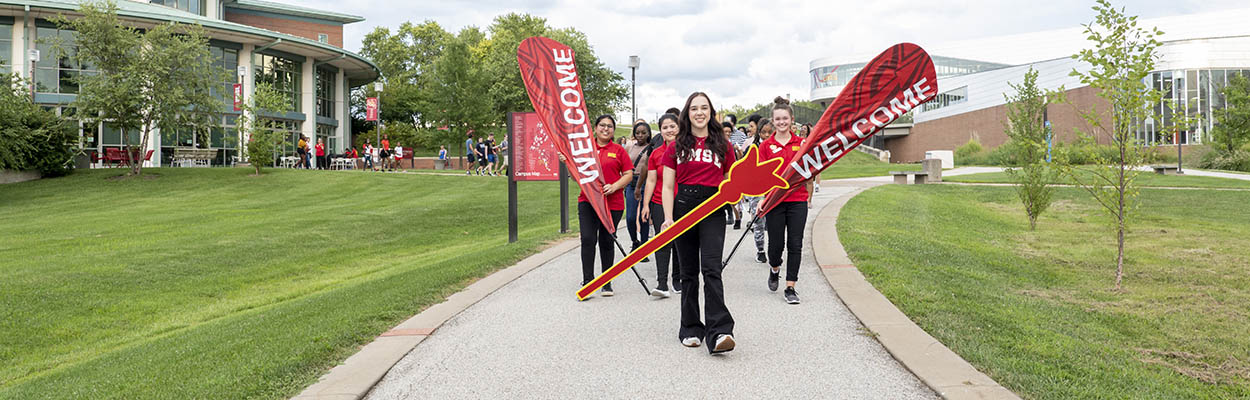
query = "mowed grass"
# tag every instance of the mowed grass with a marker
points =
(1145, 179)
(857, 164)
(209, 283)
(1035, 310)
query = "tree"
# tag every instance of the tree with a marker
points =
(161, 77)
(1232, 129)
(262, 139)
(460, 89)
(1123, 55)
(405, 59)
(31, 138)
(1026, 127)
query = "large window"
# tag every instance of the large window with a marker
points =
(192, 6)
(325, 93)
(837, 75)
(281, 73)
(1198, 94)
(6, 48)
(58, 68)
(947, 98)
(228, 60)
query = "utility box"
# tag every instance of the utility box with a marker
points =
(947, 157)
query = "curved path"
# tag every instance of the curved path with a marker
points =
(532, 338)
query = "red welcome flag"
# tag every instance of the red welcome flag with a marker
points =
(556, 92)
(893, 83)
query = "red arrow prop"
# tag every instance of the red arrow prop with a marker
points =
(893, 83)
(747, 177)
(553, 86)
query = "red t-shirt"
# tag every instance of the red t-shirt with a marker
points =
(771, 148)
(702, 168)
(386, 144)
(613, 162)
(655, 163)
(321, 150)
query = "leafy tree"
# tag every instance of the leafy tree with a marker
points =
(1123, 55)
(1232, 130)
(460, 90)
(160, 77)
(405, 59)
(31, 138)
(261, 137)
(1026, 128)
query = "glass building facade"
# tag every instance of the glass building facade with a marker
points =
(6, 47)
(1197, 94)
(840, 75)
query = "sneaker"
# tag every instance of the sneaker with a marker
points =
(792, 297)
(737, 224)
(468, 173)
(657, 292)
(691, 342)
(817, 187)
(759, 256)
(773, 277)
(676, 288)
(606, 291)
(723, 343)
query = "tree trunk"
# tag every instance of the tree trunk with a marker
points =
(1119, 267)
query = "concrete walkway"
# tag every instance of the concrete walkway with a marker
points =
(533, 339)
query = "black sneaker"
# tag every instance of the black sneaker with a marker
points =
(773, 277)
(737, 224)
(724, 343)
(792, 297)
(606, 291)
(759, 256)
(676, 287)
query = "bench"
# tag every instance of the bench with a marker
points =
(193, 157)
(900, 177)
(1167, 169)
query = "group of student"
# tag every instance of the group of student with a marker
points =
(483, 156)
(380, 158)
(305, 155)
(658, 179)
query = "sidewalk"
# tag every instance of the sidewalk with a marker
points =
(532, 338)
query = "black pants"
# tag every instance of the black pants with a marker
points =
(665, 254)
(785, 228)
(593, 232)
(699, 251)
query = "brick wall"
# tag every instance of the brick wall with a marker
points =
(302, 29)
(987, 126)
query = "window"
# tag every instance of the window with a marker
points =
(6, 48)
(947, 98)
(325, 93)
(192, 6)
(58, 68)
(228, 60)
(281, 73)
(323, 38)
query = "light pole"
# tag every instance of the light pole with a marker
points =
(633, 95)
(377, 137)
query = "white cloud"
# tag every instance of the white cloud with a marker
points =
(746, 52)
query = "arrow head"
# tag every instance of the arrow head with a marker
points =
(750, 177)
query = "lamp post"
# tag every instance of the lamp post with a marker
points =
(377, 137)
(633, 95)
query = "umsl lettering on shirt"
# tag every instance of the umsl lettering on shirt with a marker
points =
(833, 147)
(581, 145)
(704, 155)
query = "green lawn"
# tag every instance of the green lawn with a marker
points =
(208, 283)
(1034, 310)
(857, 164)
(1145, 179)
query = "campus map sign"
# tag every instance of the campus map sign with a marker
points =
(534, 155)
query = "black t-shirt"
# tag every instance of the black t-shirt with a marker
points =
(481, 148)
(490, 146)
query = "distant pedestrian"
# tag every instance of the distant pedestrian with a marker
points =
(470, 153)
(398, 155)
(302, 150)
(482, 151)
(371, 153)
(442, 155)
(385, 153)
(490, 155)
(504, 162)
(322, 161)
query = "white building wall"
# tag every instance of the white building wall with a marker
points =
(19, 48)
(1217, 53)
(340, 111)
(308, 101)
(987, 89)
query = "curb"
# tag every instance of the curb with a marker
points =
(356, 376)
(933, 363)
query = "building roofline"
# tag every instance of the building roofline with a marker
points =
(287, 9)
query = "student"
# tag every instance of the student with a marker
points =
(302, 150)
(697, 163)
(399, 155)
(322, 162)
(490, 154)
(787, 219)
(503, 157)
(470, 152)
(637, 149)
(653, 210)
(384, 154)
(442, 155)
(481, 156)
(369, 154)
(617, 171)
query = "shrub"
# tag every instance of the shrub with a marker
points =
(968, 149)
(30, 137)
(1237, 160)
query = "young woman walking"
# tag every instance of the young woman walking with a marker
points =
(696, 164)
(763, 131)
(785, 222)
(617, 170)
(653, 210)
(637, 149)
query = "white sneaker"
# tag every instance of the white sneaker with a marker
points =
(659, 293)
(606, 291)
(723, 343)
(691, 342)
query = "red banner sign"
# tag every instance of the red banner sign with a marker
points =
(555, 90)
(893, 83)
(534, 155)
(371, 109)
(238, 96)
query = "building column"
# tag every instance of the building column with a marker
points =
(249, 85)
(340, 107)
(308, 102)
(18, 55)
(155, 146)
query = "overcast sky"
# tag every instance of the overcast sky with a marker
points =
(747, 52)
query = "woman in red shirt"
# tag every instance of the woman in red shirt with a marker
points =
(655, 206)
(617, 171)
(785, 222)
(321, 155)
(698, 161)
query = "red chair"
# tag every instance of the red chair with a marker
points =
(114, 156)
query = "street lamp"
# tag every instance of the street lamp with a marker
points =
(633, 95)
(377, 137)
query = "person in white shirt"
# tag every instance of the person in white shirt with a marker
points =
(399, 155)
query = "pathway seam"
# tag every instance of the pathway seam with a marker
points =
(357, 375)
(933, 363)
